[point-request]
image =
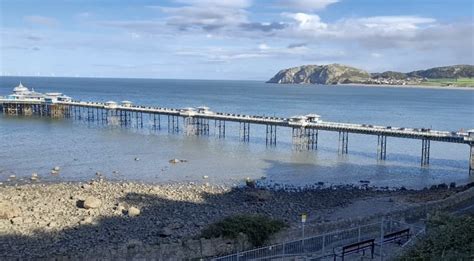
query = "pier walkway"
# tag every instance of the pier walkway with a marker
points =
(195, 121)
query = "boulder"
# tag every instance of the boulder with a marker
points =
(91, 202)
(133, 211)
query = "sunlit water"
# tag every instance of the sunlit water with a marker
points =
(36, 145)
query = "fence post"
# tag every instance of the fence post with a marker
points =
(324, 243)
(358, 234)
(381, 240)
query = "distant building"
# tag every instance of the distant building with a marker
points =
(22, 93)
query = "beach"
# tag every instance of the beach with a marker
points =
(74, 218)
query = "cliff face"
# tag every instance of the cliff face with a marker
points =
(321, 74)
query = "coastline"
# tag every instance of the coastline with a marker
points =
(414, 86)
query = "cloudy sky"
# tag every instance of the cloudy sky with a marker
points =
(229, 39)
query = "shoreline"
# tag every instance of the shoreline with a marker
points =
(234, 184)
(414, 86)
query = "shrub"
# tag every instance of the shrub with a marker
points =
(256, 227)
(447, 238)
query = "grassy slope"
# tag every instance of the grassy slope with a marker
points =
(447, 238)
(460, 82)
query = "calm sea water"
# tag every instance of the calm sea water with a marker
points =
(36, 145)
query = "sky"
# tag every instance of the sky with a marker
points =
(229, 39)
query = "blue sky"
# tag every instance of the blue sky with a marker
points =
(223, 39)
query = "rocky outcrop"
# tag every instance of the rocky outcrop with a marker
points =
(337, 73)
(321, 74)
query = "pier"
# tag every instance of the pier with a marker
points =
(197, 121)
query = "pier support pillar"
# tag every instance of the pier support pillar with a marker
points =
(113, 117)
(196, 126)
(382, 147)
(105, 116)
(138, 119)
(90, 114)
(190, 126)
(305, 138)
(244, 131)
(123, 117)
(343, 142)
(219, 128)
(271, 132)
(425, 152)
(156, 121)
(202, 126)
(97, 115)
(173, 124)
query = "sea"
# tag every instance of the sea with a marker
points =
(36, 145)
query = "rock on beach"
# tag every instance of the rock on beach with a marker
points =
(91, 203)
(133, 211)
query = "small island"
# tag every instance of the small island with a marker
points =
(331, 74)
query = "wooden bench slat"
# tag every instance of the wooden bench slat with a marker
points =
(366, 243)
(401, 232)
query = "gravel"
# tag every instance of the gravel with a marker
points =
(38, 220)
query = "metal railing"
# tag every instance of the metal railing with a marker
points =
(322, 245)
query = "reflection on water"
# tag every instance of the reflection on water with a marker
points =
(36, 145)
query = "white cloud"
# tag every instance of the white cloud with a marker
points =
(390, 24)
(41, 20)
(146, 26)
(207, 18)
(305, 5)
(376, 55)
(84, 15)
(208, 15)
(306, 22)
(263, 46)
(263, 51)
(377, 31)
(219, 3)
